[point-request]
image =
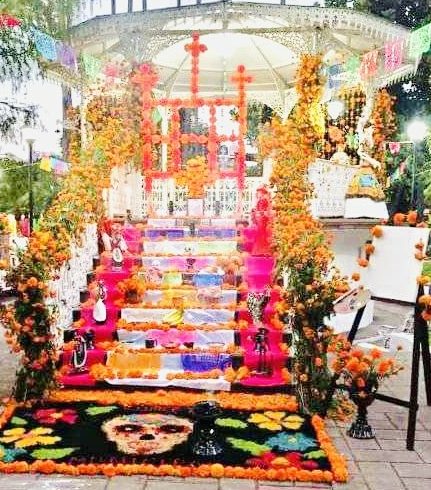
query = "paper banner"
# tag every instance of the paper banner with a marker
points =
(7, 20)
(92, 66)
(60, 167)
(393, 55)
(45, 164)
(66, 56)
(333, 72)
(368, 67)
(45, 45)
(420, 41)
(394, 147)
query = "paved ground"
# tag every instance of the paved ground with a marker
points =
(380, 464)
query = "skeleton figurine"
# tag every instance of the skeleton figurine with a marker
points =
(99, 309)
(79, 355)
(119, 246)
(261, 346)
(256, 303)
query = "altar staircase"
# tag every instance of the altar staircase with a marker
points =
(206, 343)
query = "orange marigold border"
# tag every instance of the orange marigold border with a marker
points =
(338, 473)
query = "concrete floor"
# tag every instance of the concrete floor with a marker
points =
(379, 464)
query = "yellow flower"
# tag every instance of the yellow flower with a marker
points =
(276, 421)
(34, 437)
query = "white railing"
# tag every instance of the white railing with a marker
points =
(330, 182)
(71, 279)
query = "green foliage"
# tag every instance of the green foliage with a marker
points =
(14, 187)
(336, 3)
(48, 453)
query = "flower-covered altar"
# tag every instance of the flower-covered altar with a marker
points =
(187, 330)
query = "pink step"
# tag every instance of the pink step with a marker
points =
(102, 332)
(94, 356)
(257, 381)
(77, 380)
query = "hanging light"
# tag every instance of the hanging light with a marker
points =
(335, 108)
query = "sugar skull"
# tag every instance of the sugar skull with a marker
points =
(150, 433)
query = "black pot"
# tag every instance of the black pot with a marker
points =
(360, 428)
(205, 443)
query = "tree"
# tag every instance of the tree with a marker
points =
(14, 187)
(336, 3)
(18, 57)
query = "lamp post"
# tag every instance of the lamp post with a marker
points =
(29, 135)
(416, 131)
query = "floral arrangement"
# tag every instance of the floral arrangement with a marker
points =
(133, 288)
(384, 121)
(304, 454)
(4, 223)
(195, 176)
(114, 128)
(361, 371)
(144, 326)
(301, 244)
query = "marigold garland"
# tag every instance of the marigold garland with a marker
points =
(114, 129)
(301, 245)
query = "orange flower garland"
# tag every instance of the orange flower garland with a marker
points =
(301, 244)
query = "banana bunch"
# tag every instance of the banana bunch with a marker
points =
(174, 317)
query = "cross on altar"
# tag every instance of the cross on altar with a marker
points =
(195, 48)
(241, 78)
(147, 79)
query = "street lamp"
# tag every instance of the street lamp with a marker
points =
(29, 135)
(416, 131)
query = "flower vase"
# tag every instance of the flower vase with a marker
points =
(360, 428)
(195, 207)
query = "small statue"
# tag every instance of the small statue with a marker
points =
(261, 346)
(99, 309)
(340, 157)
(79, 356)
(118, 246)
(261, 217)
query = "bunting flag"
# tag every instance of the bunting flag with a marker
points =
(45, 45)
(92, 66)
(333, 79)
(49, 164)
(66, 56)
(7, 20)
(351, 67)
(368, 66)
(420, 41)
(393, 55)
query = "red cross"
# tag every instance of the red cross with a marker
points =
(195, 48)
(146, 77)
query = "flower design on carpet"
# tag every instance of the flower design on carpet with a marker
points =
(35, 437)
(8, 455)
(291, 442)
(50, 416)
(276, 421)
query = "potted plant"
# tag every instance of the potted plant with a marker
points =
(361, 373)
(133, 288)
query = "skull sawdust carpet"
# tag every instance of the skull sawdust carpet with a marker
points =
(207, 441)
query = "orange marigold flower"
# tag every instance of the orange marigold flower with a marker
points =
(363, 262)
(377, 231)
(399, 219)
(356, 276)
(412, 217)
